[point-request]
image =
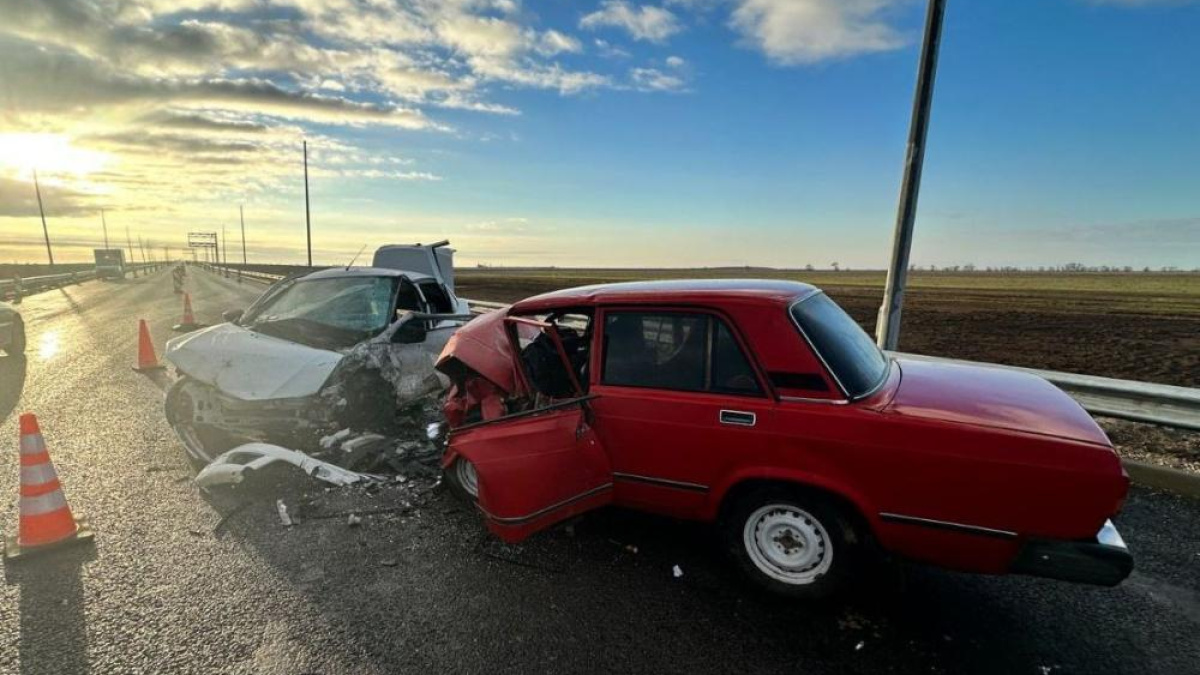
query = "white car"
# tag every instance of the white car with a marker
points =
(12, 330)
(332, 349)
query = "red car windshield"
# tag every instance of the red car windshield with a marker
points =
(849, 353)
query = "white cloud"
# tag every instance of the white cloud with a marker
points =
(676, 62)
(553, 42)
(650, 23)
(652, 79)
(610, 51)
(794, 32)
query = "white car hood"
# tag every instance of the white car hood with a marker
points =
(251, 366)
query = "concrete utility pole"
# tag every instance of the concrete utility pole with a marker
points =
(307, 214)
(45, 231)
(104, 224)
(887, 330)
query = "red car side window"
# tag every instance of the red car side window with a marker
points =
(674, 350)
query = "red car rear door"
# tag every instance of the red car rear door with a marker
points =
(674, 416)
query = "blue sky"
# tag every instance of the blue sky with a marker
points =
(673, 133)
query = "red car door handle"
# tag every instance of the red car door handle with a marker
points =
(738, 418)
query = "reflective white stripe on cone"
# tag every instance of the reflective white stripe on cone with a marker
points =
(43, 504)
(39, 474)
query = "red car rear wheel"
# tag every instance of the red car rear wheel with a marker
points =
(790, 543)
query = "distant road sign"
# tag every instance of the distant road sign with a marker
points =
(202, 239)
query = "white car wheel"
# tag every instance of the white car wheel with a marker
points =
(787, 544)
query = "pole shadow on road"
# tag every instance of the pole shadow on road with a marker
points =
(53, 631)
(12, 383)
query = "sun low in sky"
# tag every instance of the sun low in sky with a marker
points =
(604, 132)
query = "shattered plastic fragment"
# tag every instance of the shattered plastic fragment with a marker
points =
(433, 430)
(328, 442)
(283, 513)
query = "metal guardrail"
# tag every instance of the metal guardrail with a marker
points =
(229, 271)
(1161, 404)
(17, 288)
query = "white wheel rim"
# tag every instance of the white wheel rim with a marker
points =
(787, 544)
(464, 471)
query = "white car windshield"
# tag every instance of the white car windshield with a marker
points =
(344, 309)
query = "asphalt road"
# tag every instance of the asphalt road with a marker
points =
(183, 582)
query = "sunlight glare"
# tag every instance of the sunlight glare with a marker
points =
(48, 153)
(48, 347)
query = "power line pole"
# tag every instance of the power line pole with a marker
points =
(46, 231)
(224, 251)
(129, 243)
(104, 223)
(307, 213)
(242, 215)
(887, 330)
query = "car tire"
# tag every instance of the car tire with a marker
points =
(201, 443)
(16, 341)
(463, 481)
(791, 543)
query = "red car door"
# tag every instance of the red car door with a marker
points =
(538, 467)
(678, 404)
(536, 470)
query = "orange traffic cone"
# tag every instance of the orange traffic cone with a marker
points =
(45, 518)
(189, 321)
(147, 359)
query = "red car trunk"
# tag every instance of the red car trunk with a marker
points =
(991, 397)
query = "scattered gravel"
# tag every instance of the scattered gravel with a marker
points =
(1175, 448)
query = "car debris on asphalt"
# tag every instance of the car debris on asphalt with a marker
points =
(283, 513)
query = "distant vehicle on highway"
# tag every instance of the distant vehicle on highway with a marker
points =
(110, 263)
(12, 330)
(761, 406)
(320, 351)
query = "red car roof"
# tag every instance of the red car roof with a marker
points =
(683, 291)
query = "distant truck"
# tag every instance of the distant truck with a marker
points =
(110, 263)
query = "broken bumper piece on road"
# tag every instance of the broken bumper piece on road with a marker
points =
(230, 467)
(1103, 561)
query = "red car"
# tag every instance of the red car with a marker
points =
(763, 407)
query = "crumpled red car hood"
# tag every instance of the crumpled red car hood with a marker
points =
(481, 346)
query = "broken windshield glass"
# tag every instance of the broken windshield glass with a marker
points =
(339, 311)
